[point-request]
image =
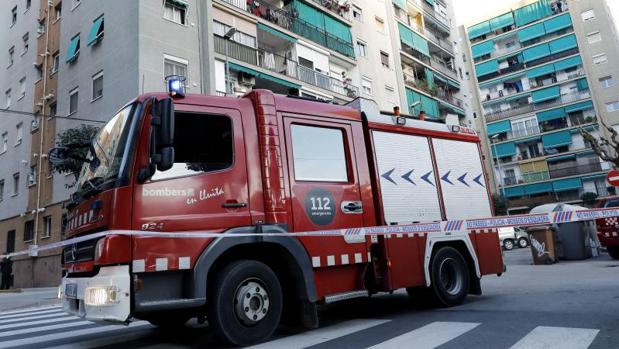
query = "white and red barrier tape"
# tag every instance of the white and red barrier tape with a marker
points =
(529, 220)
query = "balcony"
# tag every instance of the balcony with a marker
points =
(532, 201)
(523, 132)
(282, 65)
(436, 91)
(335, 7)
(522, 109)
(555, 173)
(443, 68)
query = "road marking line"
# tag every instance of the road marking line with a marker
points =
(40, 322)
(41, 312)
(31, 310)
(30, 317)
(429, 336)
(45, 328)
(321, 335)
(69, 334)
(543, 337)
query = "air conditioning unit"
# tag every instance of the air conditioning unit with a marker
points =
(34, 125)
(246, 79)
(40, 30)
(32, 179)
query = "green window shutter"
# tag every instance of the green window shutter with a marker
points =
(479, 29)
(431, 2)
(427, 104)
(421, 44)
(536, 52)
(563, 44)
(178, 3)
(557, 139)
(74, 49)
(504, 150)
(538, 188)
(96, 31)
(514, 192)
(429, 77)
(558, 23)
(531, 13)
(567, 184)
(546, 94)
(483, 49)
(582, 84)
(579, 106)
(533, 32)
(276, 32)
(413, 40)
(487, 68)
(551, 115)
(502, 21)
(337, 29)
(406, 35)
(400, 3)
(499, 127)
(568, 63)
(541, 71)
(310, 15)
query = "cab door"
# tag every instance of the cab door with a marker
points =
(326, 195)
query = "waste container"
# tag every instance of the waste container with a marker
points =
(543, 245)
(573, 242)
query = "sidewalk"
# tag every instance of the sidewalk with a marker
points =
(28, 298)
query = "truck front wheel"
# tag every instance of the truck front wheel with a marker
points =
(245, 303)
(449, 277)
(613, 252)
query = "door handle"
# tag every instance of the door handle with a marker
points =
(352, 207)
(234, 204)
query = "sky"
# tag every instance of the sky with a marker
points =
(470, 10)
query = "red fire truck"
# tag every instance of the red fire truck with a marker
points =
(255, 170)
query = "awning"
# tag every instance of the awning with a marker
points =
(579, 106)
(514, 192)
(558, 23)
(487, 68)
(413, 40)
(538, 188)
(178, 3)
(504, 150)
(568, 63)
(400, 3)
(96, 31)
(502, 21)
(597, 176)
(258, 74)
(517, 97)
(541, 71)
(562, 158)
(557, 139)
(74, 49)
(567, 184)
(276, 32)
(553, 114)
(453, 84)
(533, 12)
(429, 73)
(438, 77)
(483, 49)
(546, 94)
(537, 52)
(582, 84)
(499, 127)
(532, 32)
(529, 139)
(479, 30)
(502, 79)
(563, 44)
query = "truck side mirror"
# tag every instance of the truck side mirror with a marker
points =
(163, 133)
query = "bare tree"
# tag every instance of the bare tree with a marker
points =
(606, 148)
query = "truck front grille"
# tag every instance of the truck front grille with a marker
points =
(80, 252)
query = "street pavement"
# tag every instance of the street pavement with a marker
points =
(570, 305)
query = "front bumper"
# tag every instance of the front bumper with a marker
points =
(117, 277)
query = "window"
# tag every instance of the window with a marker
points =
(612, 106)
(214, 153)
(14, 16)
(47, 226)
(28, 3)
(15, 184)
(97, 31)
(74, 49)
(321, 161)
(357, 14)
(10, 241)
(221, 29)
(11, 55)
(73, 100)
(75, 3)
(174, 12)
(600, 59)
(58, 11)
(55, 63)
(174, 66)
(7, 95)
(97, 86)
(380, 24)
(19, 131)
(588, 15)
(366, 85)
(25, 41)
(2, 190)
(384, 59)
(362, 49)
(5, 142)
(594, 37)
(32, 176)
(41, 27)
(607, 82)
(29, 231)
(39, 68)
(22, 87)
(52, 110)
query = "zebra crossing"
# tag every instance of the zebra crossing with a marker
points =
(50, 327)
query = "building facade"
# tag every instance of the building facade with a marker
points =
(87, 59)
(538, 85)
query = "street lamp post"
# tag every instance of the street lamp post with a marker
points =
(498, 182)
(227, 37)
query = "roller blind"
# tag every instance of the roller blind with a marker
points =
(483, 49)
(533, 32)
(536, 52)
(563, 44)
(487, 68)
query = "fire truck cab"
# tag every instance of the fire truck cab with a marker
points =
(253, 170)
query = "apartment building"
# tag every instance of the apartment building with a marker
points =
(537, 85)
(89, 58)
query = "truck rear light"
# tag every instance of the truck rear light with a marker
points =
(99, 296)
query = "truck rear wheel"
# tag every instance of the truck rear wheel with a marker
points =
(613, 252)
(449, 277)
(245, 304)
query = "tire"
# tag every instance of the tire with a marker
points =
(245, 303)
(613, 252)
(508, 244)
(168, 321)
(523, 243)
(449, 276)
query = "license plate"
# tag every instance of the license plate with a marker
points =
(70, 290)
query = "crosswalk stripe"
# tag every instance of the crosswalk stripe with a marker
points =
(429, 336)
(557, 338)
(310, 338)
(30, 317)
(14, 316)
(31, 310)
(40, 322)
(44, 328)
(69, 334)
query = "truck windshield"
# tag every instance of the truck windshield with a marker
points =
(106, 154)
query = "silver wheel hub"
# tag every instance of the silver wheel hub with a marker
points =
(451, 276)
(252, 302)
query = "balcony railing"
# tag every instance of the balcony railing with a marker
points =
(555, 173)
(335, 7)
(443, 67)
(450, 99)
(523, 132)
(437, 92)
(531, 107)
(532, 201)
(433, 13)
(285, 66)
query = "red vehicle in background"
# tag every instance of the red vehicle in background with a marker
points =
(608, 228)
(252, 170)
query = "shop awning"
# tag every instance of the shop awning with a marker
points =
(276, 32)
(557, 139)
(96, 31)
(74, 49)
(553, 114)
(499, 127)
(567, 184)
(258, 74)
(546, 94)
(504, 150)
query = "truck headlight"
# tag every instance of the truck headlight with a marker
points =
(60, 292)
(99, 249)
(101, 295)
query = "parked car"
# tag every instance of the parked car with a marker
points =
(513, 237)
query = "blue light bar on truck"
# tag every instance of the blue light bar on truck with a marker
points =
(176, 85)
